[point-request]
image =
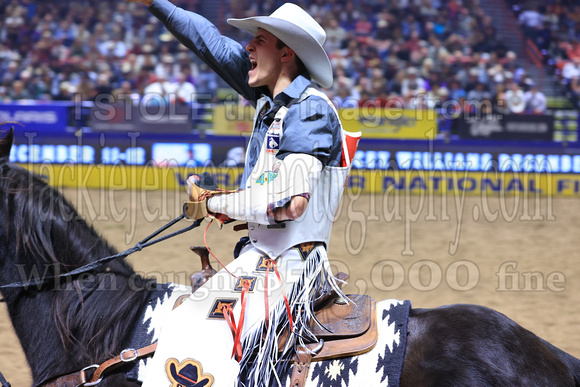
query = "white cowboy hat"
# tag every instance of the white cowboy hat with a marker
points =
(299, 31)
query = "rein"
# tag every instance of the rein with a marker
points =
(100, 262)
(3, 382)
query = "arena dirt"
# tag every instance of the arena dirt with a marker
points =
(432, 251)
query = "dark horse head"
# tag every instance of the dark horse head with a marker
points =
(80, 320)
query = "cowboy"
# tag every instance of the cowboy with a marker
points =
(296, 166)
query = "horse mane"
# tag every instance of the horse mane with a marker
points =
(93, 313)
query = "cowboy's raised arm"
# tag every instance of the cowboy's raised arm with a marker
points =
(224, 55)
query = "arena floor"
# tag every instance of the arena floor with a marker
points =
(432, 251)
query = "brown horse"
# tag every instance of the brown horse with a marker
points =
(65, 325)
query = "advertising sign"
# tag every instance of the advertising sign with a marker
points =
(515, 127)
(35, 117)
(146, 117)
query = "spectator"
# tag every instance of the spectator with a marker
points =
(66, 92)
(531, 19)
(543, 36)
(18, 92)
(478, 93)
(575, 89)
(185, 91)
(572, 49)
(104, 84)
(535, 100)
(345, 98)
(335, 35)
(124, 92)
(114, 47)
(456, 92)
(411, 84)
(206, 83)
(161, 89)
(85, 88)
(571, 69)
(515, 99)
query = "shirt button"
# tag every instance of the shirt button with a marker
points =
(254, 240)
(252, 228)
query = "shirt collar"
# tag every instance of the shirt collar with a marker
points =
(293, 90)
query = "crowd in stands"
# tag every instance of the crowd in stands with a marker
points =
(60, 50)
(554, 27)
(410, 53)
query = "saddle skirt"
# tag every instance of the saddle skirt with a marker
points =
(380, 366)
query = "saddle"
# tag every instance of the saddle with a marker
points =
(343, 329)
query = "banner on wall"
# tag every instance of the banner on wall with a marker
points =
(513, 127)
(401, 124)
(375, 123)
(381, 182)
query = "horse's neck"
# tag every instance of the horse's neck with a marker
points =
(100, 325)
(34, 324)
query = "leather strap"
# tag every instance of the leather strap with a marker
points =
(71, 380)
(126, 356)
(241, 227)
(301, 366)
(80, 378)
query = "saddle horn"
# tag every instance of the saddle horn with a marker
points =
(207, 271)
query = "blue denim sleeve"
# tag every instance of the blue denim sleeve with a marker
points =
(225, 56)
(312, 127)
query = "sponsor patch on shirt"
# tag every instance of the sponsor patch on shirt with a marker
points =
(266, 177)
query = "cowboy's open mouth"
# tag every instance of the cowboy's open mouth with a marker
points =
(253, 63)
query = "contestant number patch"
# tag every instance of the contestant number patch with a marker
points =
(273, 138)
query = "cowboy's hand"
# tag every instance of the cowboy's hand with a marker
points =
(195, 210)
(201, 187)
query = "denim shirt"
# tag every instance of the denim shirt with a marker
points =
(311, 126)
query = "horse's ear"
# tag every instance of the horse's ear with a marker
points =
(6, 144)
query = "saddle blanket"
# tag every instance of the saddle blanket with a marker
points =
(379, 367)
(160, 303)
